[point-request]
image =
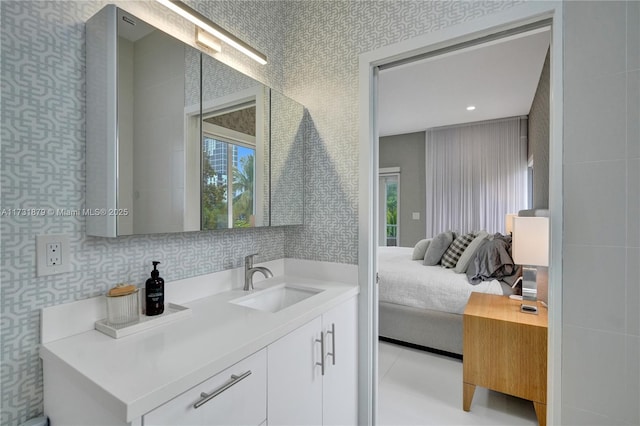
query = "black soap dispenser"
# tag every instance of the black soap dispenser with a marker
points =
(154, 293)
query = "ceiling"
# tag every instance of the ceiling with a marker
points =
(499, 78)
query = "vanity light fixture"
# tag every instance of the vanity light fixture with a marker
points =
(471, 108)
(206, 40)
(205, 23)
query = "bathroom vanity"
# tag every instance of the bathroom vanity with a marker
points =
(227, 363)
(178, 141)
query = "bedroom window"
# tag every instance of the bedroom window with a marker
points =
(389, 209)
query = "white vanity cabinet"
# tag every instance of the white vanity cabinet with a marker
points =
(236, 396)
(301, 391)
(340, 381)
(295, 382)
(240, 366)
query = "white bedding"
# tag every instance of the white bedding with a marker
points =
(408, 282)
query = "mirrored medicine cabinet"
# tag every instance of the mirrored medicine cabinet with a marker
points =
(178, 141)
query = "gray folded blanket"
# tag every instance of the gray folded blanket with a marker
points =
(493, 262)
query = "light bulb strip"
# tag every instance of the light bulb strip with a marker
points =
(206, 40)
(203, 22)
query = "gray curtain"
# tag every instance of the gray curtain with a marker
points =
(476, 174)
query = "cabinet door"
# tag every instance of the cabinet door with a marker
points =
(242, 403)
(340, 385)
(294, 381)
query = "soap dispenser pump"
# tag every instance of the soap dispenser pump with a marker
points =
(154, 292)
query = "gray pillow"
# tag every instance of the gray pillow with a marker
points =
(469, 252)
(436, 249)
(420, 249)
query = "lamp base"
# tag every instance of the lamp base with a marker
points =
(529, 285)
(529, 290)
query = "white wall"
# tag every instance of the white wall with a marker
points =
(601, 298)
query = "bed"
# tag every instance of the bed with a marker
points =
(423, 305)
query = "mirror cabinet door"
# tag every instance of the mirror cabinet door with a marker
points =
(158, 94)
(143, 87)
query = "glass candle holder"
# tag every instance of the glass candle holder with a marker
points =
(123, 309)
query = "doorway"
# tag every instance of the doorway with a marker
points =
(431, 44)
(474, 162)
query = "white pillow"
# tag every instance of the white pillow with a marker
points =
(420, 249)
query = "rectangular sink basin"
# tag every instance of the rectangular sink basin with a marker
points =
(276, 298)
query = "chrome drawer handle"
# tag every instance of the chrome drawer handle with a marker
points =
(206, 397)
(321, 363)
(333, 344)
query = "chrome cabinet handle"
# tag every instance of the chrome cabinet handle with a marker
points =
(333, 344)
(206, 397)
(321, 363)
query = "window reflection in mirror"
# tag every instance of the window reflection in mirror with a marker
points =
(233, 150)
(228, 168)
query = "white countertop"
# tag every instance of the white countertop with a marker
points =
(137, 373)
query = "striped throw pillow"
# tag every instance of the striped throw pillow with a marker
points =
(455, 250)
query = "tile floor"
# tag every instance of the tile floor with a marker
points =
(420, 388)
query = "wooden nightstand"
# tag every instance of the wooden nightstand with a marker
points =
(505, 350)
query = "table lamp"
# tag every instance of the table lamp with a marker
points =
(508, 223)
(530, 249)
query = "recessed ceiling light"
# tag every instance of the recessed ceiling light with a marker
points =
(471, 108)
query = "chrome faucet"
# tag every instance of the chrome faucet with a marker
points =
(249, 270)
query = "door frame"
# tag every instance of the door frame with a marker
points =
(515, 17)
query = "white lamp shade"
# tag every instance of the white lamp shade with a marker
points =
(531, 241)
(508, 223)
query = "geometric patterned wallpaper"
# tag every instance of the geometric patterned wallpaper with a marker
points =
(289, 127)
(313, 49)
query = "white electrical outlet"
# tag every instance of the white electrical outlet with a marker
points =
(52, 254)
